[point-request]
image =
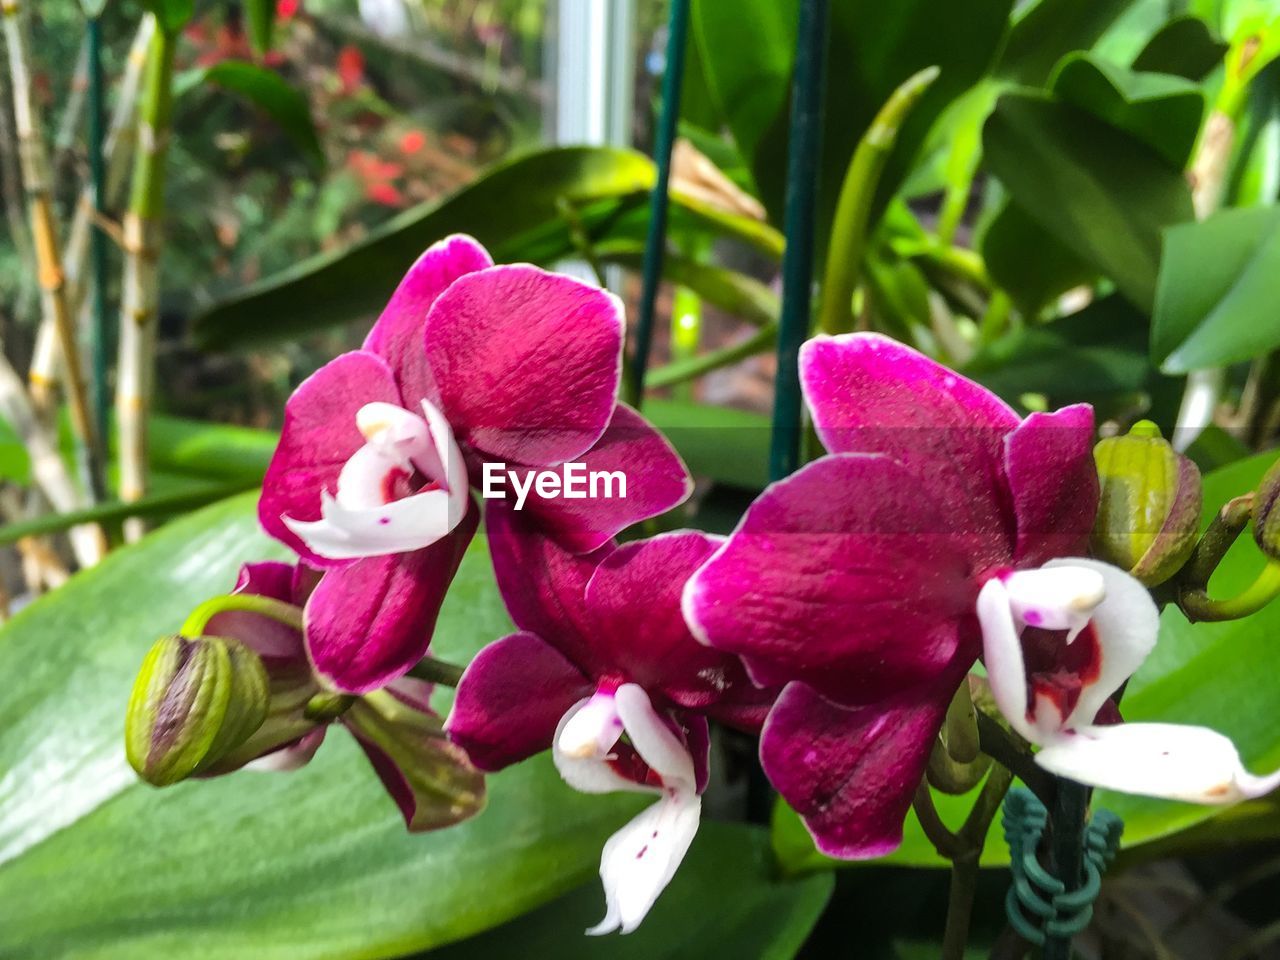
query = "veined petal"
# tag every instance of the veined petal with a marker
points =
(1125, 626)
(525, 363)
(511, 699)
(320, 435)
(1194, 764)
(397, 336)
(640, 859)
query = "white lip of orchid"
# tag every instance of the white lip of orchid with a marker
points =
(640, 859)
(1173, 761)
(1056, 598)
(592, 730)
(358, 520)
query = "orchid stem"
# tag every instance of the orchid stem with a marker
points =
(1200, 607)
(692, 367)
(857, 196)
(1222, 532)
(1067, 819)
(437, 671)
(277, 610)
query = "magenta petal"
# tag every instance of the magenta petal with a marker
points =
(544, 587)
(511, 698)
(870, 394)
(841, 576)
(634, 596)
(270, 639)
(1054, 484)
(319, 436)
(655, 476)
(369, 622)
(525, 362)
(850, 773)
(397, 336)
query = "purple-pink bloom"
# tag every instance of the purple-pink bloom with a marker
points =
(855, 581)
(396, 728)
(605, 672)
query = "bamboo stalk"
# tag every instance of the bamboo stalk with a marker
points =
(142, 225)
(118, 150)
(47, 467)
(11, 197)
(37, 183)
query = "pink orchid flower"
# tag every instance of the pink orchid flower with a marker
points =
(941, 523)
(469, 363)
(605, 673)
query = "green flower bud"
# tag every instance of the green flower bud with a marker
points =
(1266, 518)
(1149, 510)
(194, 701)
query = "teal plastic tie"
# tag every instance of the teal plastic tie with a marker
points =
(1038, 904)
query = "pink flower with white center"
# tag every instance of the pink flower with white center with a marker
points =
(605, 673)
(1058, 643)
(469, 363)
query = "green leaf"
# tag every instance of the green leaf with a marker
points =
(15, 464)
(172, 15)
(1161, 110)
(1185, 46)
(93, 8)
(211, 450)
(1218, 289)
(509, 210)
(261, 15)
(725, 445)
(1102, 193)
(747, 50)
(1028, 262)
(314, 864)
(1214, 674)
(724, 901)
(1048, 30)
(269, 92)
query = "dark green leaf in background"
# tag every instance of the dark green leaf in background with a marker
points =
(1029, 262)
(261, 16)
(315, 864)
(1219, 293)
(1048, 30)
(1185, 46)
(1102, 193)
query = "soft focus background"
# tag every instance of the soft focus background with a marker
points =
(1082, 207)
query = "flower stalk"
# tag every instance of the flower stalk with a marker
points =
(142, 227)
(38, 184)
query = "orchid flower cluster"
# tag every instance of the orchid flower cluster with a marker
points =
(837, 621)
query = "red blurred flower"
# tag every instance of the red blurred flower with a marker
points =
(412, 142)
(286, 10)
(350, 68)
(377, 177)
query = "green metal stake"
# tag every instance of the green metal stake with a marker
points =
(99, 395)
(1067, 830)
(797, 259)
(656, 240)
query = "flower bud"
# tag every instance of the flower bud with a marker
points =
(1266, 518)
(430, 779)
(194, 701)
(1149, 508)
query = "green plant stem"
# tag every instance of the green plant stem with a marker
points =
(857, 194)
(1222, 532)
(278, 610)
(1200, 607)
(797, 258)
(99, 394)
(692, 367)
(1011, 752)
(656, 239)
(437, 671)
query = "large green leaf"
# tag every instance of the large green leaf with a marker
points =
(94, 865)
(266, 90)
(1028, 262)
(1218, 290)
(1185, 46)
(1102, 193)
(724, 901)
(1161, 110)
(747, 50)
(1049, 29)
(509, 210)
(1221, 675)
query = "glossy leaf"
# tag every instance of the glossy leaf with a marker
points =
(1185, 46)
(1219, 285)
(1210, 674)
(273, 866)
(724, 901)
(269, 92)
(1028, 262)
(1161, 110)
(1102, 193)
(748, 50)
(1048, 30)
